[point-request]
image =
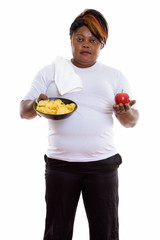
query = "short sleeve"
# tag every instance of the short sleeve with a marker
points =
(40, 82)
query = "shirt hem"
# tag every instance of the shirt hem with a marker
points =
(82, 159)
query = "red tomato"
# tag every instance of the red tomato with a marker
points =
(122, 98)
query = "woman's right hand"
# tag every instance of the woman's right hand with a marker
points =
(26, 107)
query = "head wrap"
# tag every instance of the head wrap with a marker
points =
(96, 23)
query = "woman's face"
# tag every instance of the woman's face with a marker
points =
(85, 48)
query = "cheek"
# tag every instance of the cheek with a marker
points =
(97, 52)
(73, 47)
(73, 50)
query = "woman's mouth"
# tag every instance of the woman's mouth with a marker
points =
(85, 53)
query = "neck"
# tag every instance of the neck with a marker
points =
(81, 65)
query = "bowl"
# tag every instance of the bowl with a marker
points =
(56, 116)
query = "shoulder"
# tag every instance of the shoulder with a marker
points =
(45, 75)
(111, 73)
(47, 71)
(109, 70)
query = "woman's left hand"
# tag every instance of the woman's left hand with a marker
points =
(126, 115)
(123, 108)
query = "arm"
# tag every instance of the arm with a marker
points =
(26, 107)
(127, 116)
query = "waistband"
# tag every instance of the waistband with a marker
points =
(105, 165)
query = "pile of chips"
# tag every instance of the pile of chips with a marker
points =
(54, 107)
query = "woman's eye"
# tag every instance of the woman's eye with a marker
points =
(93, 40)
(79, 39)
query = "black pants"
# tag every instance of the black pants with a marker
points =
(98, 183)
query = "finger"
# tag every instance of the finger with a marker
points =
(132, 102)
(42, 97)
(115, 107)
(121, 107)
(127, 107)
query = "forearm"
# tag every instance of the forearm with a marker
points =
(128, 119)
(26, 109)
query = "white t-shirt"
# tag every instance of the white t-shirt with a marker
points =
(88, 134)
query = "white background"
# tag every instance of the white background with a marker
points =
(33, 33)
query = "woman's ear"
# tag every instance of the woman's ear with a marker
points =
(71, 40)
(102, 45)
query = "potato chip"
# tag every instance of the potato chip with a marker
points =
(42, 103)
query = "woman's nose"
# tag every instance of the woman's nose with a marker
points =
(86, 44)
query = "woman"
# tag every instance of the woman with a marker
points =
(81, 156)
